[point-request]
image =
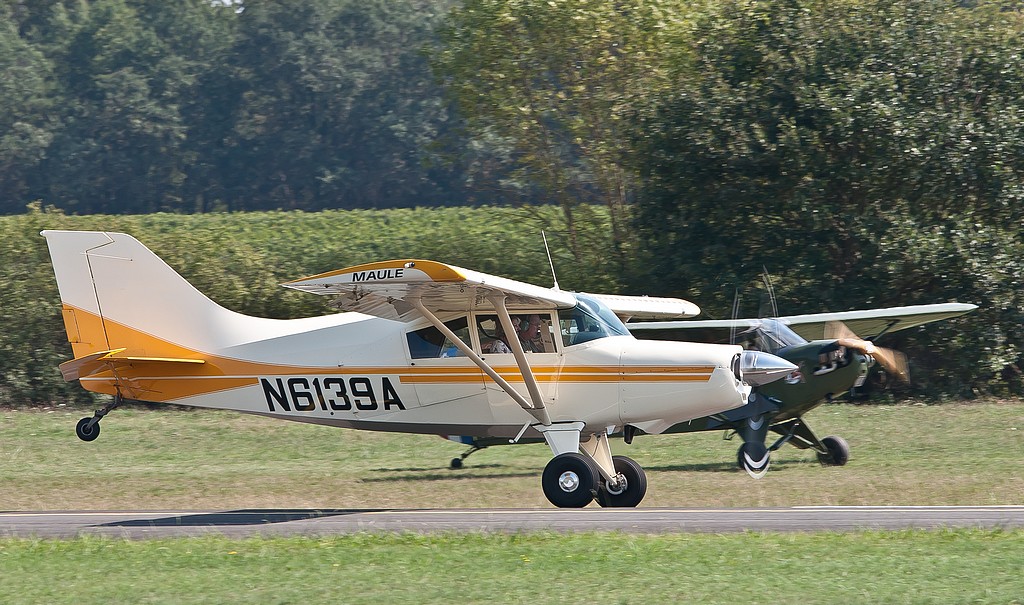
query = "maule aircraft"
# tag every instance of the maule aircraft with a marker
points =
(831, 360)
(421, 347)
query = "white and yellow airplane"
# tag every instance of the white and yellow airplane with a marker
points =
(420, 348)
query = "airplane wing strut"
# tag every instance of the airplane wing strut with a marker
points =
(537, 409)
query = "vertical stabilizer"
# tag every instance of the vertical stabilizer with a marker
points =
(116, 293)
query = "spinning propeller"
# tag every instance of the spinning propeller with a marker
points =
(893, 361)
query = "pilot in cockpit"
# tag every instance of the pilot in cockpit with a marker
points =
(527, 331)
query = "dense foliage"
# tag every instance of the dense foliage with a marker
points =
(239, 260)
(865, 153)
(144, 105)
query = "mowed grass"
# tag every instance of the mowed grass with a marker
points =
(970, 454)
(948, 454)
(940, 567)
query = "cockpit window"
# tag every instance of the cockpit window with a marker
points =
(771, 335)
(430, 342)
(589, 320)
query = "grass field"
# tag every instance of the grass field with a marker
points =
(947, 454)
(900, 455)
(940, 568)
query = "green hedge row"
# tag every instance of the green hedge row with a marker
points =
(240, 260)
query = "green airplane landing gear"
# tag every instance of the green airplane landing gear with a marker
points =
(838, 451)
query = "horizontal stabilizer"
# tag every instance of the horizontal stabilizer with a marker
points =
(108, 360)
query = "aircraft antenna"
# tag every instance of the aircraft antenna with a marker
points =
(771, 290)
(735, 314)
(550, 263)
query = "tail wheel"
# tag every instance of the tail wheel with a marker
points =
(632, 485)
(86, 432)
(570, 480)
(838, 451)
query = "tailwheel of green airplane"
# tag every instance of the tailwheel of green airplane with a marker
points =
(838, 451)
(631, 487)
(570, 480)
(86, 432)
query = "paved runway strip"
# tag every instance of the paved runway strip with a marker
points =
(278, 522)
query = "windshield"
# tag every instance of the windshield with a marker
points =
(771, 335)
(589, 320)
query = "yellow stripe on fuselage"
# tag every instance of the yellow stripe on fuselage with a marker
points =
(167, 382)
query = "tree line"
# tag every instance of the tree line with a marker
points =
(133, 106)
(865, 153)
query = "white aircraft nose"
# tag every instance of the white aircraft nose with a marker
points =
(760, 368)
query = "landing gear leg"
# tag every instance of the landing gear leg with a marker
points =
(623, 482)
(88, 429)
(831, 450)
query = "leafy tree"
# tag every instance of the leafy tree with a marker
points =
(26, 128)
(122, 77)
(849, 147)
(550, 86)
(333, 106)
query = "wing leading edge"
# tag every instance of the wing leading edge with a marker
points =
(867, 323)
(387, 289)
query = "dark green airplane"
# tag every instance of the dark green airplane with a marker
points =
(831, 360)
(832, 363)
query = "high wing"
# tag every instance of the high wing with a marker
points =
(868, 323)
(387, 289)
(872, 323)
(384, 289)
(407, 290)
(648, 307)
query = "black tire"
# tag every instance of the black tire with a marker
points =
(838, 451)
(85, 432)
(570, 480)
(634, 490)
(456, 463)
(754, 458)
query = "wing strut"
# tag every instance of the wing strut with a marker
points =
(498, 300)
(538, 411)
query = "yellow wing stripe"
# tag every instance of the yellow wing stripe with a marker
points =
(438, 272)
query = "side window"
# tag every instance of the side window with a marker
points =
(492, 336)
(429, 342)
(532, 329)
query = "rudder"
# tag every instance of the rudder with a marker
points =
(116, 293)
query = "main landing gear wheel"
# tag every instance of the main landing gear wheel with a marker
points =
(632, 485)
(570, 480)
(754, 458)
(838, 451)
(86, 432)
